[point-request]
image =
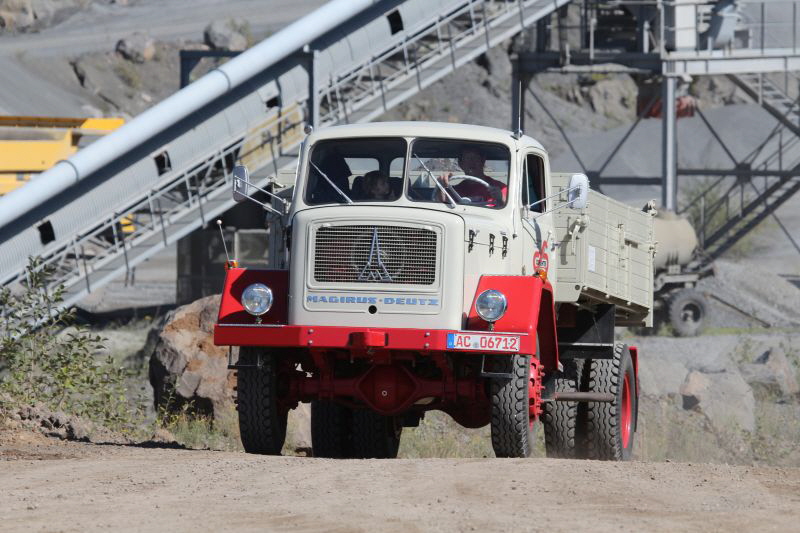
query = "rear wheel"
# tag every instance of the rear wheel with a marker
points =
(560, 418)
(610, 426)
(514, 406)
(262, 422)
(375, 436)
(331, 429)
(687, 312)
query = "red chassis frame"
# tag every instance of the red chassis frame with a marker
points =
(389, 384)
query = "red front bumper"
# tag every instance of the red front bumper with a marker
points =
(348, 338)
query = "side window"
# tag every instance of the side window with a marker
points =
(533, 185)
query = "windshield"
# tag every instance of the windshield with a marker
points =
(356, 170)
(459, 172)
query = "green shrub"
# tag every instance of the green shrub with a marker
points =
(45, 359)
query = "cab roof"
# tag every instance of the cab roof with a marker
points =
(446, 130)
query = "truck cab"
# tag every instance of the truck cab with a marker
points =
(420, 277)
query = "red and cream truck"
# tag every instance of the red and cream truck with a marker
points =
(441, 266)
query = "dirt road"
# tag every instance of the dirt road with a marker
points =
(79, 487)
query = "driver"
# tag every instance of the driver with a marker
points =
(472, 161)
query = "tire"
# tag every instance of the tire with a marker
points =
(331, 430)
(561, 439)
(262, 423)
(610, 426)
(513, 428)
(375, 436)
(687, 312)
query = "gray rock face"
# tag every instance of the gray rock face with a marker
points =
(138, 48)
(33, 15)
(715, 394)
(772, 375)
(225, 35)
(661, 376)
(186, 366)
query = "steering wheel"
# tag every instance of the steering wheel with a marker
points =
(470, 178)
(461, 200)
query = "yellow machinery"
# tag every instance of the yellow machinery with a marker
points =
(30, 145)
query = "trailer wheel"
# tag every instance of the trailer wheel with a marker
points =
(262, 422)
(375, 436)
(331, 429)
(610, 426)
(687, 312)
(514, 406)
(561, 439)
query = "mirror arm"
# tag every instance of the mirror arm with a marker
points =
(265, 206)
(253, 185)
(559, 193)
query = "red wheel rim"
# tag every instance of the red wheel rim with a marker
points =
(626, 418)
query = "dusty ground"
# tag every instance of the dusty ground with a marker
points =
(53, 486)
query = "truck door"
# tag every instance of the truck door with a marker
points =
(536, 226)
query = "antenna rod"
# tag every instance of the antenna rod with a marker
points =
(224, 246)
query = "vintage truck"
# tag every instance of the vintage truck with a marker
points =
(440, 266)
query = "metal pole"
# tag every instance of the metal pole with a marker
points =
(516, 89)
(668, 141)
(313, 99)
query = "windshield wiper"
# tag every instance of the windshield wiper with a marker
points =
(441, 187)
(332, 184)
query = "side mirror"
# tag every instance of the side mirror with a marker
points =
(241, 181)
(578, 195)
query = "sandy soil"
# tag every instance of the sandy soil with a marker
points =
(54, 486)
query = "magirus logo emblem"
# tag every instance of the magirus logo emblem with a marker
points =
(375, 270)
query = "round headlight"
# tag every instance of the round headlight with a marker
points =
(257, 299)
(491, 305)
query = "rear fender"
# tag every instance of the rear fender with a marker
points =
(530, 310)
(231, 310)
(634, 351)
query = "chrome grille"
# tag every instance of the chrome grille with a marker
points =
(375, 254)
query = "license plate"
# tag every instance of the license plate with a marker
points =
(483, 342)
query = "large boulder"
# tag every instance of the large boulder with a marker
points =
(723, 397)
(138, 47)
(772, 375)
(225, 35)
(186, 366)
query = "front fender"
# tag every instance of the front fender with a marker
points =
(231, 310)
(530, 310)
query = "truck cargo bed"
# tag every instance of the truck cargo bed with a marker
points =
(605, 254)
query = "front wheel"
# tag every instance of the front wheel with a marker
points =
(331, 429)
(610, 426)
(262, 421)
(514, 406)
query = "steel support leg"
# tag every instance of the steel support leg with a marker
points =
(668, 144)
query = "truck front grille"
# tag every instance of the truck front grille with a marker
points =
(375, 254)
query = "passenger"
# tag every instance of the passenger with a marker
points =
(377, 186)
(472, 162)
